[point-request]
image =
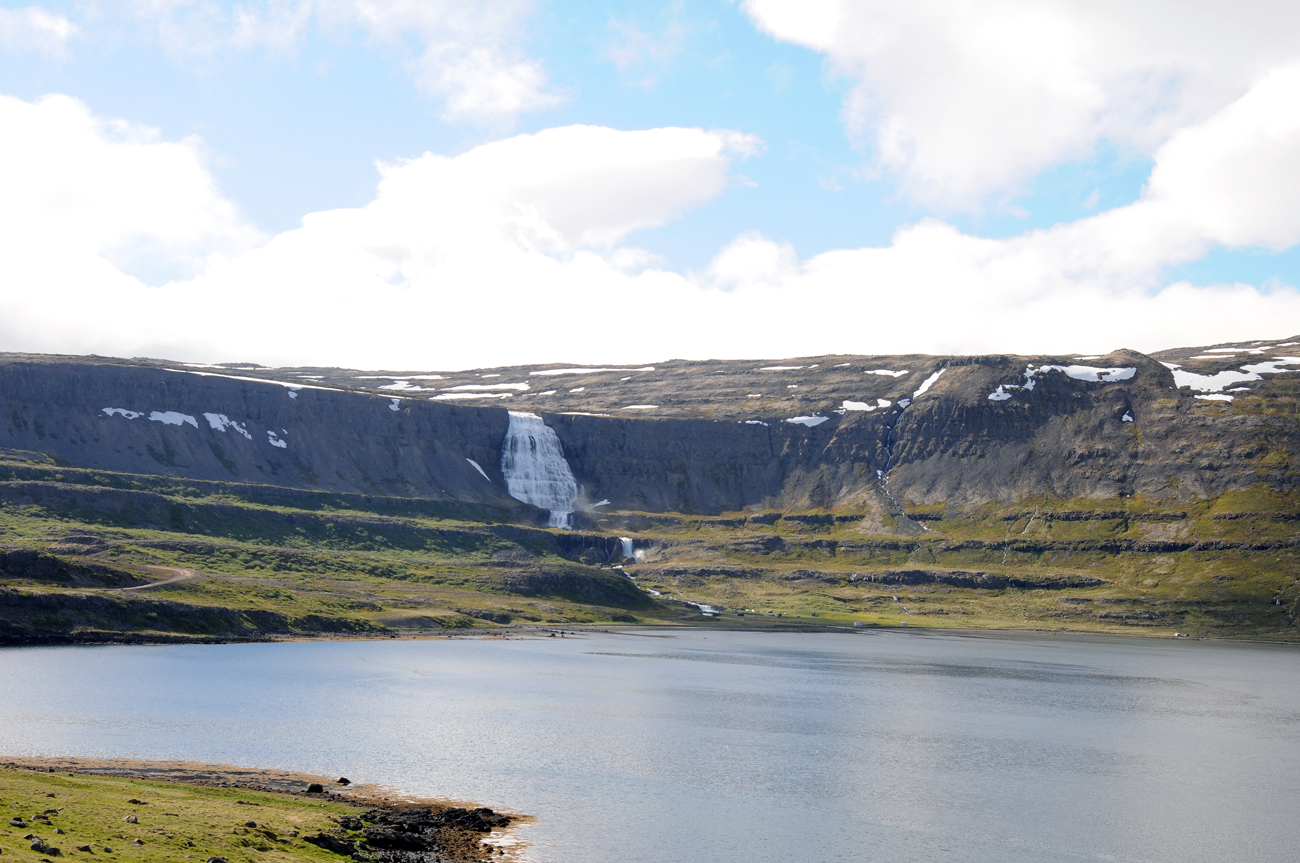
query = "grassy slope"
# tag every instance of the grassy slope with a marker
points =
(177, 822)
(1229, 582)
(273, 561)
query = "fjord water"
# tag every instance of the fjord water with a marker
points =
(712, 746)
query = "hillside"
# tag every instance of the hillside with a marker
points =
(1123, 492)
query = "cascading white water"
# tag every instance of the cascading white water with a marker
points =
(532, 461)
(628, 550)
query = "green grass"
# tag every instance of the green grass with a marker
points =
(285, 561)
(176, 821)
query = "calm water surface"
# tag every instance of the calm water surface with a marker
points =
(735, 747)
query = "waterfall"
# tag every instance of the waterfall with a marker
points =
(627, 547)
(533, 464)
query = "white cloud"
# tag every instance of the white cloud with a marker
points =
(32, 28)
(77, 186)
(966, 102)
(465, 53)
(517, 251)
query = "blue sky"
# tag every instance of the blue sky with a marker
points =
(289, 125)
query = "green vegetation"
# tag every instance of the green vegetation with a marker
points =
(95, 817)
(276, 561)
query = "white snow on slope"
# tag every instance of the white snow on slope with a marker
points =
(640, 407)
(172, 418)
(485, 387)
(221, 422)
(864, 406)
(780, 368)
(449, 396)
(589, 371)
(755, 423)
(131, 415)
(478, 468)
(1212, 383)
(1216, 397)
(999, 394)
(290, 384)
(274, 440)
(1270, 367)
(808, 421)
(1092, 374)
(929, 382)
(404, 386)
(577, 389)
(1127, 418)
(887, 372)
(395, 405)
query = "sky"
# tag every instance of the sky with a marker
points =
(446, 184)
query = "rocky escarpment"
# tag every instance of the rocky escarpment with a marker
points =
(843, 433)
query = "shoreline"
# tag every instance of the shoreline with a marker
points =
(458, 831)
(90, 639)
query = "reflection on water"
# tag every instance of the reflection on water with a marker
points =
(739, 747)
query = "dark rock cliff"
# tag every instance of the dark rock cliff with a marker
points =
(977, 433)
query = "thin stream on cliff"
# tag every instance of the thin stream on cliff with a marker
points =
(680, 746)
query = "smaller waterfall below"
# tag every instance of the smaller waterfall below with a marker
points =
(628, 550)
(532, 461)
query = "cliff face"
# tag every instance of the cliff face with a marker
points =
(868, 432)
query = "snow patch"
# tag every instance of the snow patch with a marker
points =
(929, 382)
(1212, 383)
(1271, 367)
(841, 365)
(131, 415)
(755, 423)
(293, 394)
(1092, 374)
(999, 395)
(442, 397)
(808, 421)
(640, 407)
(485, 387)
(1127, 418)
(1249, 372)
(1224, 350)
(578, 389)
(902, 403)
(404, 386)
(1216, 397)
(172, 418)
(221, 422)
(780, 368)
(274, 440)
(547, 393)
(887, 372)
(395, 405)
(847, 405)
(479, 468)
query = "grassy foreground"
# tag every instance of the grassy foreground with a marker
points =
(51, 814)
(88, 816)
